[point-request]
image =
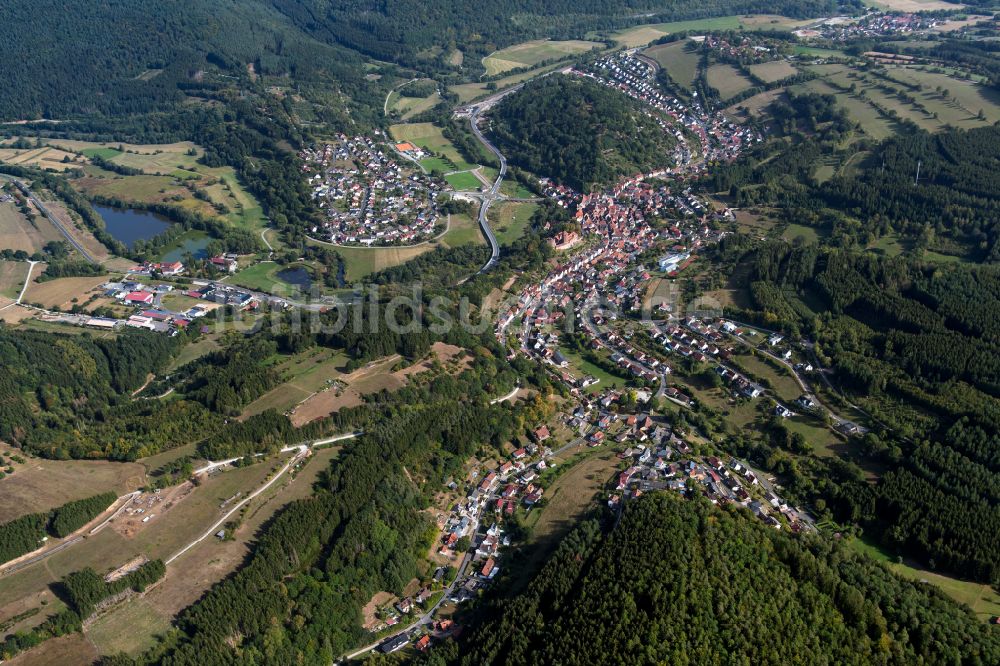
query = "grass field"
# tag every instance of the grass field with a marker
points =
(872, 122)
(263, 276)
(680, 63)
(567, 500)
(807, 234)
(17, 233)
(470, 91)
(774, 70)
(41, 484)
(982, 599)
(509, 220)
(756, 104)
(306, 373)
(531, 53)
(581, 367)
(61, 291)
(130, 628)
(727, 80)
(406, 106)
(931, 110)
(644, 34)
(165, 167)
(463, 181)
(430, 137)
(12, 275)
(362, 261)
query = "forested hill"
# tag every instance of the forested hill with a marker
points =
(118, 57)
(408, 30)
(578, 132)
(680, 582)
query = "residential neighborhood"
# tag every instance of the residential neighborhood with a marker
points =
(370, 194)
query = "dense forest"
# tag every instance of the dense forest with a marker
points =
(953, 207)
(66, 395)
(412, 32)
(683, 582)
(916, 345)
(578, 132)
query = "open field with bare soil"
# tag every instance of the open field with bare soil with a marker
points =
(40, 484)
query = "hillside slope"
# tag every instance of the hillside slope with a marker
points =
(578, 132)
(686, 583)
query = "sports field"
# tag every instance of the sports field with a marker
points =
(430, 137)
(531, 53)
(463, 181)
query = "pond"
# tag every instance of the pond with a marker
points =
(196, 246)
(297, 276)
(129, 225)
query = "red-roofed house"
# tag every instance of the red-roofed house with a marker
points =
(137, 297)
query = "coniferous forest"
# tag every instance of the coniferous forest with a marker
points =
(683, 582)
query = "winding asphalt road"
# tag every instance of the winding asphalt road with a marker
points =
(492, 194)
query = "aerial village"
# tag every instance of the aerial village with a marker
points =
(368, 194)
(873, 24)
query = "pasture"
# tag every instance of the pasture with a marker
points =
(61, 292)
(644, 34)
(469, 91)
(41, 484)
(17, 233)
(678, 58)
(12, 276)
(528, 54)
(510, 220)
(362, 261)
(728, 80)
(775, 70)
(982, 599)
(431, 138)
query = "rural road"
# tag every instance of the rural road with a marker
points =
(51, 218)
(301, 447)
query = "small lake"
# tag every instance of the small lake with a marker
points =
(297, 276)
(129, 225)
(196, 246)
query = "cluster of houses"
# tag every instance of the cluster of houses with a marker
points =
(747, 49)
(720, 139)
(166, 269)
(873, 24)
(368, 196)
(660, 465)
